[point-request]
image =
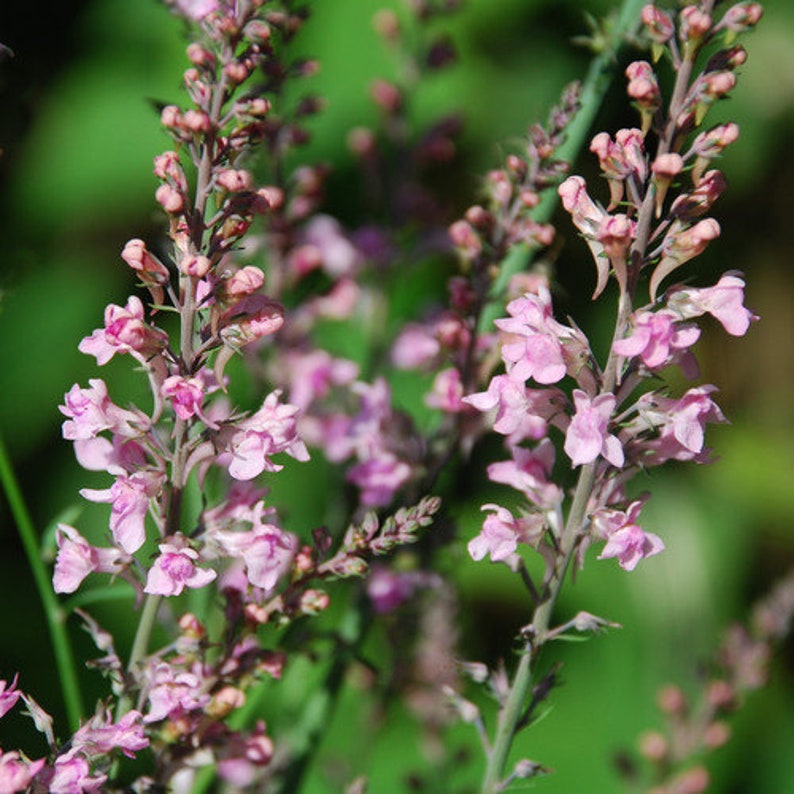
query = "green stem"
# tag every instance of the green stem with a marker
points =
(64, 658)
(594, 88)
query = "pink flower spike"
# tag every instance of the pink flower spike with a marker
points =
(100, 735)
(657, 338)
(174, 570)
(587, 436)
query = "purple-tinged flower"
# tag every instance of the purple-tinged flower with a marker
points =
(416, 346)
(8, 697)
(91, 411)
(17, 771)
(266, 550)
(521, 413)
(658, 338)
(130, 497)
(312, 375)
(125, 331)
(625, 539)
(196, 9)
(388, 589)
(174, 570)
(379, 477)
(529, 472)
(173, 691)
(724, 301)
(241, 758)
(587, 435)
(72, 775)
(502, 532)
(100, 735)
(535, 349)
(186, 395)
(447, 392)
(77, 558)
(252, 441)
(680, 245)
(685, 419)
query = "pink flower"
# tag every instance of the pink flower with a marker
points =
(125, 331)
(266, 550)
(196, 9)
(100, 735)
(656, 338)
(17, 772)
(8, 697)
(521, 413)
(90, 411)
(447, 392)
(529, 472)
(174, 570)
(587, 435)
(131, 497)
(379, 477)
(77, 558)
(252, 441)
(173, 692)
(72, 775)
(535, 351)
(724, 301)
(625, 539)
(501, 533)
(186, 395)
(242, 757)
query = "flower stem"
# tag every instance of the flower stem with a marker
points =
(64, 658)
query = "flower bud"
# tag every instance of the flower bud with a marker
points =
(195, 265)
(170, 199)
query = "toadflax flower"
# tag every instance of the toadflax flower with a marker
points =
(175, 569)
(587, 435)
(625, 539)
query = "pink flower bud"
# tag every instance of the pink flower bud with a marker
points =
(742, 17)
(273, 195)
(195, 265)
(236, 71)
(258, 31)
(695, 24)
(643, 87)
(168, 167)
(712, 142)
(717, 84)
(500, 187)
(151, 269)
(387, 96)
(386, 24)
(465, 238)
(200, 56)
(234, 180)
(170, 199)
(196, 121)
(244, 282)
(171, 117)
(657, 23)
(692, 205)
(668, 165)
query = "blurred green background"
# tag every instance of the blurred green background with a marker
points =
(79, 132)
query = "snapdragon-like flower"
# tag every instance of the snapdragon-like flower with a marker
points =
(175, 569)
(17, 772)
(502, 532)
(100, 735)
(77, 558)
(625, 539)
(535, 349)
(252, 441)
(131, 497)
(91, 411)
(587, 436)
(9, 695)
(658, 338)
(529, 472)
(724, 301)
(173, 692)
(125, 331)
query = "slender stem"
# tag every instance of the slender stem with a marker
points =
(64, 658)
